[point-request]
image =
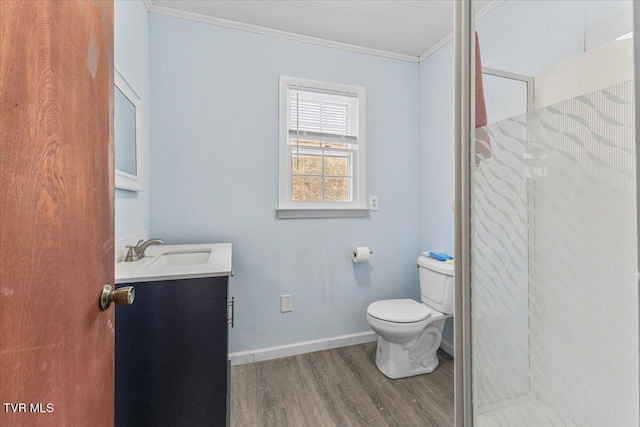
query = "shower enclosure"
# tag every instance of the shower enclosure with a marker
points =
(546, 213)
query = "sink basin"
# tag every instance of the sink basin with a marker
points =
(177, 258)
(172, 262)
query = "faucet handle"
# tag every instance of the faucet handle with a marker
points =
(132, 254)
(138, 244)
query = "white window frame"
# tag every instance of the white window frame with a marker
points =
(288, 208)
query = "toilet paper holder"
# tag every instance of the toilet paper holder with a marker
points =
(361, 254)
(370, 252)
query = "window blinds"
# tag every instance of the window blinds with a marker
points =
(322, 114)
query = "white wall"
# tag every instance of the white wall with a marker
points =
(214, 169)
(585, 73)
(131, 33)
(525, 37)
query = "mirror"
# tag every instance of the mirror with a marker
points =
(128, 142)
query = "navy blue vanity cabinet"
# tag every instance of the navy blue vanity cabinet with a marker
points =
(172, 355)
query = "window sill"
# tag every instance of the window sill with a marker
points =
(291, 213)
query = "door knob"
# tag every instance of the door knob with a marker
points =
(124, 295)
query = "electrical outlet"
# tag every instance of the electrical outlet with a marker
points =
(286, 304)
(373, 203)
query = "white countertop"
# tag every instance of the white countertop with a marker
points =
(144, 270)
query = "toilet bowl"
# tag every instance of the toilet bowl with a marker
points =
(410, 332)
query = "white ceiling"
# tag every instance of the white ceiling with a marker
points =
(401, 27)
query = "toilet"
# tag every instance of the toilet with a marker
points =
(410, 332)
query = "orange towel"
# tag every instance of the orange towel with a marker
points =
(483, 143)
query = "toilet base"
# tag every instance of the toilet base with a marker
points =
(414, 358)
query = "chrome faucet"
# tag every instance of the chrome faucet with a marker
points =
(137, 252)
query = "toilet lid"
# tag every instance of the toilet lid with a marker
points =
(399, 310)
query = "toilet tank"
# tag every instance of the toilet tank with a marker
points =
(436, 284)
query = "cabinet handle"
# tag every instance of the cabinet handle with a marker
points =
(231, 304)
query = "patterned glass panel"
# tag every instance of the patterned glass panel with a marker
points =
(554, 272)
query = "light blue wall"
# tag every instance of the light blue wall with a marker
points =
(523, 37)
(131, 33)
(436, 156)
(436, 151)
(214, 169)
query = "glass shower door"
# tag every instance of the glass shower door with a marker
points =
(553, 241)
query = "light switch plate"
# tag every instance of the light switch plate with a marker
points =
(286, 304)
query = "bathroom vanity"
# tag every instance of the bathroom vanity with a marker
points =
(172, 361)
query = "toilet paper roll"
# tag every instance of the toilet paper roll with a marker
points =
(361, 254)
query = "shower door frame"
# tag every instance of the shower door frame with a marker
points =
(636, 78)
(464, 92)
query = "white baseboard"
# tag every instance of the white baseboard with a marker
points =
(259, 355)
(120, 247)
(447, 347)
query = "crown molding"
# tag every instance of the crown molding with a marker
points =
(436, 47)
(160, 10)
(147, 4)
(479, 15)
(488, 8)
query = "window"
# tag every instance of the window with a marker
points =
(322, 149)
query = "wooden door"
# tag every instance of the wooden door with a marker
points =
(56, 213)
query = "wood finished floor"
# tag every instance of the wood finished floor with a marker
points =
(339, 387)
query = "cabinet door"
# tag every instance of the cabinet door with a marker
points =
(171, 354)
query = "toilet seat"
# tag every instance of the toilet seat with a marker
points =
(400, 311)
